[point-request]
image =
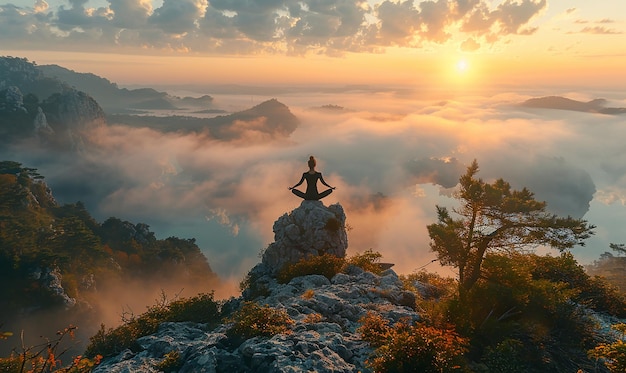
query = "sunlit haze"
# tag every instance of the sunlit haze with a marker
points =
(427, 87)
(529, 42)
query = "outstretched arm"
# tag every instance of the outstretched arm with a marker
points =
(324, 182)
(299, 182)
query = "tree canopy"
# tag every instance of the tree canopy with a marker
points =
(37, 233)
(493, 217)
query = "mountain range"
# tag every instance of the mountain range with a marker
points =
(59, 107)
(115, 100)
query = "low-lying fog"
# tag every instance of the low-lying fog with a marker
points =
(392, 156)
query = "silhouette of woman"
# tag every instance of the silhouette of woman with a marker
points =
(311, 178)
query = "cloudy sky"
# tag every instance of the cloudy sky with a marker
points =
(325, 41)
(439, 85)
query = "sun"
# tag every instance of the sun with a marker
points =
(462, 66)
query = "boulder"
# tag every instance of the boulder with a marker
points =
(311, 229)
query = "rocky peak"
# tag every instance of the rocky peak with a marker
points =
(51, 280)
(40, 124)
(311, 229)
(75, 110)
(70, 114)
(326, 313)
(65, 115)
(271, 118)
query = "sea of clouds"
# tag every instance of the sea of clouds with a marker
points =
(393, 157)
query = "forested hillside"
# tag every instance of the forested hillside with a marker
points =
(58, 257)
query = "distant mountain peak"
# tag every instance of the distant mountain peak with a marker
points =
(564, 103)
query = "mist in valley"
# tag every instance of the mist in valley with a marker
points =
(392, 155)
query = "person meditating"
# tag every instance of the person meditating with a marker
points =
(311, 178)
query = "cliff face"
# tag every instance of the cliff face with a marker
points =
(69, 114)
(325, 313)
(52, 110)
(34, 105)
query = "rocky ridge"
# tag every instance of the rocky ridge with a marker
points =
(62, 114)
(33, 104)
(326, 312)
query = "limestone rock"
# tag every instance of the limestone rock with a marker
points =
(324, 337)
(312, 229)
(326, 314)
(51, 279)
(41, 126)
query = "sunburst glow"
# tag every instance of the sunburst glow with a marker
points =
(462, 66)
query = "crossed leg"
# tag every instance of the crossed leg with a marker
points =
(309, 197)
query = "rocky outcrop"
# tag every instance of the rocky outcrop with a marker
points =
(71, 114)
(324, 337)
(42, 130)
(51, 280)
(312, 229)
(326, 313)
(32, 104)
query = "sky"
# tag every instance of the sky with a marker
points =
(428, 86)
(322, 41)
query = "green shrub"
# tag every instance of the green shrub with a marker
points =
(368, 261)
(435, 285)
(593, 292)
(256, 289)
(506, 357)
(534, 300)
(171, 363)
(612, 355)
(252, 320)
(412, 348)
(327, 265)
(201, 309)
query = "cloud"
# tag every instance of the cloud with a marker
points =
(178, 16)
(441, 171)
(131, 14)
(398, 22)
(252, 27)
(389, 174)
(600, 30)
(40, 6)
(512, 15)
(470, 45)
(568, 188)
